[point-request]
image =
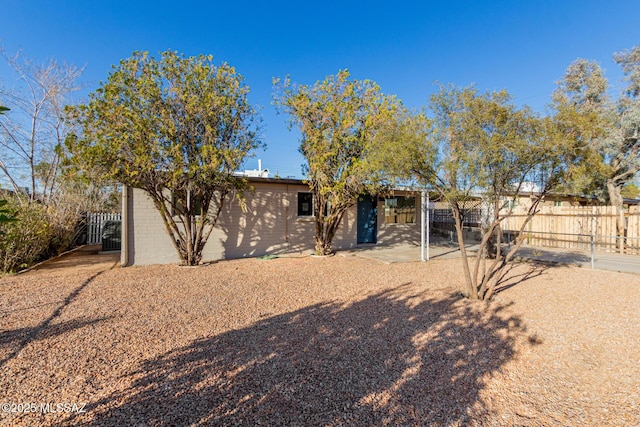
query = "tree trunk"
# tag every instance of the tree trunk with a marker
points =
(326, 227)
(471, 290)
(322, 247)
(189, 249)
(616, 200)
(498, 229)
(494, 275)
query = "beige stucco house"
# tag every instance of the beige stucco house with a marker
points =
(277, 219)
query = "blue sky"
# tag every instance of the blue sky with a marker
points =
(522, 46)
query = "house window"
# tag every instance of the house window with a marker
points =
(557, 203)
(400, 210)
(305, 204)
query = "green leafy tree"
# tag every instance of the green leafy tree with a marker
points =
(607, 126)
(176, 128)
(630, 191)
(339, 119)
(483, 147)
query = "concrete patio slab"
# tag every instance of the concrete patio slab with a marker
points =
(446, 250)
(404, 253)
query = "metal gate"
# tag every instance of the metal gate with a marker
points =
(95, 224)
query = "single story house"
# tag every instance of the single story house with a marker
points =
(278, 218)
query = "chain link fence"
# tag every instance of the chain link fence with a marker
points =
(573, 228)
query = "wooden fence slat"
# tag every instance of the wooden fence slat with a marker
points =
(569, 222)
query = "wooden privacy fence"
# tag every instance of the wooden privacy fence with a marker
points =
(95, 223)
(575, 227)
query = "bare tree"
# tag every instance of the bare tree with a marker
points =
(32, 133)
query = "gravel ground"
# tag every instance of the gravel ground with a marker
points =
(304, 341)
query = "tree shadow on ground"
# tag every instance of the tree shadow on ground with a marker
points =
(392, 358)
(18, 339)
(556, 256)
(528, 269)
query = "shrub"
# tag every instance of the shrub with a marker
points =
(26, 240)
(43, 230)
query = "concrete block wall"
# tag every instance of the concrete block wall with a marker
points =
(266, 223)
(148, 242)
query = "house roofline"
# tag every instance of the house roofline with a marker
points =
(277, 180)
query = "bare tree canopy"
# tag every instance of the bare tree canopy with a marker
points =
(32, 133)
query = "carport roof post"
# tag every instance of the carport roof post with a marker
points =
(424, 226)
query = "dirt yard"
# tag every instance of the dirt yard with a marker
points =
(335, 341)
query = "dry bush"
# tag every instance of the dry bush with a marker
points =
(24, 241)
(46, 230)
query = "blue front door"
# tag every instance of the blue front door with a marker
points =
(367, 220)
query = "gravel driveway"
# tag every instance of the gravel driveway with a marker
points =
(335, 341)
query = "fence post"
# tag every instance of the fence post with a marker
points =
(593, 225)
(593, 250)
